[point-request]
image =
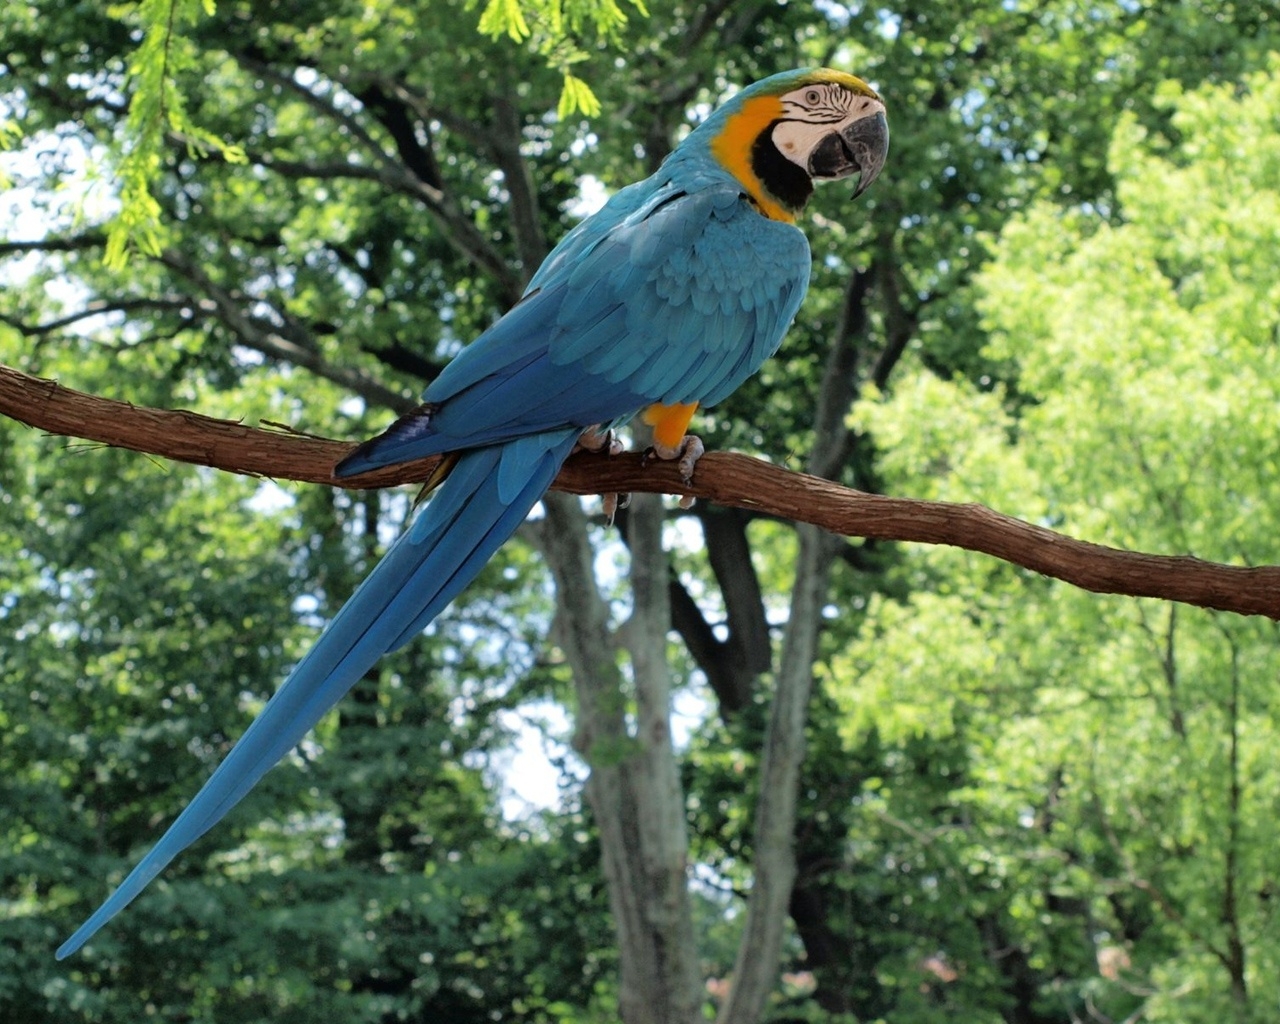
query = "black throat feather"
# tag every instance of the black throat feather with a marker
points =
(787, 183)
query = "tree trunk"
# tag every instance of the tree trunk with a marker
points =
(760, 952)
(634, 788)
(756, 967)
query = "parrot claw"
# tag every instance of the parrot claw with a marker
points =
(612, 503)
(685, 454)
(596, 440)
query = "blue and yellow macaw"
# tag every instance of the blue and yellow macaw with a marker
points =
(665, 300)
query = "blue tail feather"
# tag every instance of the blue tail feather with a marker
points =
(454, 536)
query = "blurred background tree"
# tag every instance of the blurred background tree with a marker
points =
(1019, 802)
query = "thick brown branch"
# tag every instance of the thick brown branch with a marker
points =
(724, 477)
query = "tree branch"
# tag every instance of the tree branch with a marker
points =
(71, 243)
(320, 171)
(404, 175)
(254, 334)
(100, 307)
(748, 650)
(507, 135)
(730, 665)
(724, 477)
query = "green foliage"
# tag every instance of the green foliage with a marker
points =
(369, 877)
(155, 108)
(556, 26)
(1115, 775)
(10, 136)
(158, 105)
(1018, 802)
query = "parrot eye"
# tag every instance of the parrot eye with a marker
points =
(813, 97)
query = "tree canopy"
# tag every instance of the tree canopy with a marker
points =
(900, 782)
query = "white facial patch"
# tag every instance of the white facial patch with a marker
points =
(813, 112)
(795, 139)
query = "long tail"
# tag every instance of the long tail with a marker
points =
(487, 495)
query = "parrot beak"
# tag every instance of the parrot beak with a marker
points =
(860, 148)
(867, 140)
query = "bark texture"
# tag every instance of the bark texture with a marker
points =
(633, 789)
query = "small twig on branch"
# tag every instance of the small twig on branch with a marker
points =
(99, 308)
(723, 477)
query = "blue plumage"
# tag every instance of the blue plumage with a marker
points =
(673, 293)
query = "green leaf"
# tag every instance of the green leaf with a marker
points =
(504, 17)
(576, 97)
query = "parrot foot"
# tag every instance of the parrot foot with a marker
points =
(685, 454)
(596, 440)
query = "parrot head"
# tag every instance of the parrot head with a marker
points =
(780, 135)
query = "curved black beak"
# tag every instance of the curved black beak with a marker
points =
(860, 148)
(867, 141)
